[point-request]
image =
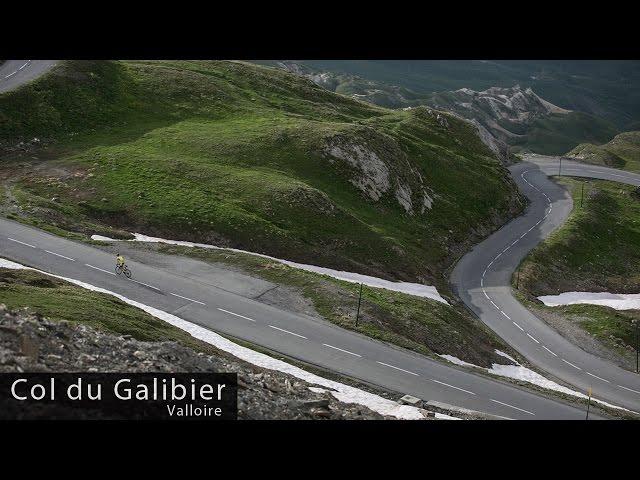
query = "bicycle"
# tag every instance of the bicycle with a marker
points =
(123, 269)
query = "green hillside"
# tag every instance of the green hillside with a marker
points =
(250, 157)
(596, 250)
(621, 152)
(523, 122)
(608, 89)
(557, 133)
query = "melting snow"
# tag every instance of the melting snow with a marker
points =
(457, 361)
(518, 372)
(344, 393)
(416, 289)
(620, 301)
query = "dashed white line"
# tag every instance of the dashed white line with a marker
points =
(98, 268)
(452, 386)
(549, 351)
(599, 378)
(186, 298)
(236, 314)
(533, 338)
(342, 350)
(630, 389)
(145, 284)
(13, 73)
(58, 255)
(518, 326)
(23, 243)
(287, 331)
(569, 363)
(398, 368)
(511, 406)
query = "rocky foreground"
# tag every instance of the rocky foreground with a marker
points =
(30, 343)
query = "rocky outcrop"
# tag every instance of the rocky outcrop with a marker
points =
(501, 115)
(33, 344)
(379, 168)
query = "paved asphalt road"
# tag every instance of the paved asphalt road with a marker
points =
(194, 298)
(14, 73)
(298, 336)
(482, 279)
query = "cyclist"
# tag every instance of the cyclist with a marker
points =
(119, 260)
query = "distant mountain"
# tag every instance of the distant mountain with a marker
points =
(609, 89)
(508, 119)
(621, 152)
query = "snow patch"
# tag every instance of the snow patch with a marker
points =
(457, 361)
(416, 289)
(442, 416)
(502, 354)
(518, 372)
(621, 301)
(343, 393)
(103, 239)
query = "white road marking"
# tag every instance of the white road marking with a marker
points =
(630, 389)
(98, 268)
(58, 255)
(533, 338)
(511, 245)
(511, 406)
(186, 298)
(287, 331)
(549, 351)
(452, 386)
(145, 284)
(398, 368)
(599, 378)
(13, 73)
(574, 366)
(23, 243)
(236, 314)
(342, 350)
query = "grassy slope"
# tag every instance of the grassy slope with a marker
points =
(422, 325)
(621, 152)
(60, 300)
(229, 153)
(557, 133)
(552, 135)
(598, 249)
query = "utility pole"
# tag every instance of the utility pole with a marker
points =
(588, 404)
(560, 167)
(518, 278)
(637, 342)
(359, 300)
(582, 194)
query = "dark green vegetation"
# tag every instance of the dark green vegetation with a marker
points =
(598, 249)
(238, 155)
(609, 89)
(423, 325)
(59, 300)
(621, 152)
(556, 133)
(514, 115)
